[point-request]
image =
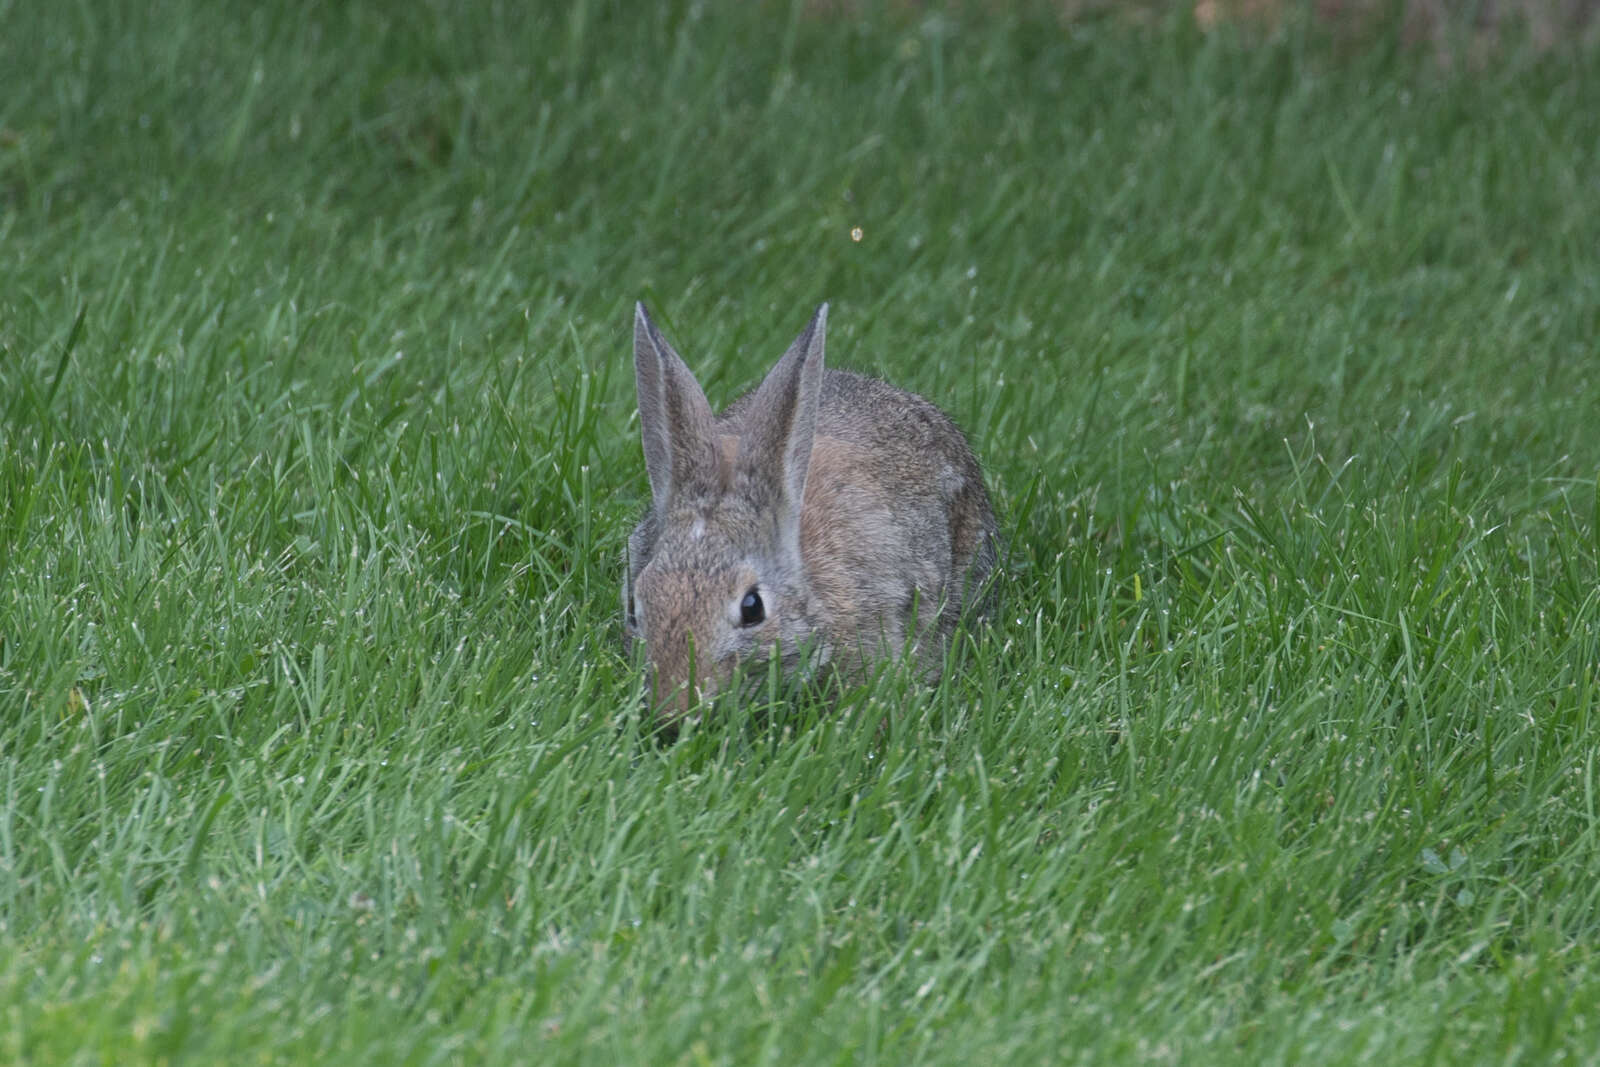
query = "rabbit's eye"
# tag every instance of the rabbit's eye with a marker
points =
(751, 609)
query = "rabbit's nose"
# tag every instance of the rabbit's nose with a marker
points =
(673, 697)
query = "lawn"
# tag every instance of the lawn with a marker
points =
(318, 453)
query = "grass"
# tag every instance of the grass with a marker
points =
(318, 455)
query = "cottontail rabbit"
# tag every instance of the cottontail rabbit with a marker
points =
(820, 518)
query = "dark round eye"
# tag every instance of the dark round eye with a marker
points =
(751, 609)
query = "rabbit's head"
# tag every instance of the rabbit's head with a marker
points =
(716, 580)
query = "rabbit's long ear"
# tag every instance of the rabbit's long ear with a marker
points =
(782, 418)
(675, 418)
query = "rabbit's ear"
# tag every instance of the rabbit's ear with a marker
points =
(782, 419)
(675, 418)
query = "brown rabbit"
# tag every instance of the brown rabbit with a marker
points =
(819, 518)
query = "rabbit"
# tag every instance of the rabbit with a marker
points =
(826, 518)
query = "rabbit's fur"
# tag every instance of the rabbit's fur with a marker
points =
(853, 510)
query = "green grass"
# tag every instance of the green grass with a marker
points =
(318, 455)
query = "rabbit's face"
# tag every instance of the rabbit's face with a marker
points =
(701, 617)
(720, 582)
